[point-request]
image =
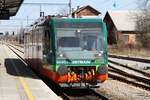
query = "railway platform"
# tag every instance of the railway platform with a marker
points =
(17, 82)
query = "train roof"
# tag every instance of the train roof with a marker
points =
(77, 20)
(47, 20)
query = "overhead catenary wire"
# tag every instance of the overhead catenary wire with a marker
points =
(37, 4)
(30, 12)
(46, 4)
(42, 7)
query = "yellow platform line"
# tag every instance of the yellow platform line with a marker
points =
(29, 94)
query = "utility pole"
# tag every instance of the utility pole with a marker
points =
(48, 4)
(40, 8)
(70, 8)
(27, 20)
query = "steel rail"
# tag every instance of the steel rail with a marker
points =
(122, 79)
(123, 73)
(130, 58)
(131, 68)
(16, 48)
(82, 94)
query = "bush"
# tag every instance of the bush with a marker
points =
(145, 40)
(129, 46)
(120, 45)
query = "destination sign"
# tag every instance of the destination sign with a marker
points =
(4, 14)
(74, 62)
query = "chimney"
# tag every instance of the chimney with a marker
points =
(42, 14)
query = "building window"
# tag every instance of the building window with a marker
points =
(126, 38)
(137, 38)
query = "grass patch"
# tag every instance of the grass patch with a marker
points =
(129, 50)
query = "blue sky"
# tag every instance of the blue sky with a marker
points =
(20, 20)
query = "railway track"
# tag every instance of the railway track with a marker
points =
(130, 58)
(66, 94)
(131, 77)
(15, 48)
(83, 94)
(122, 79)
(128, 78)
(130, 68)
(139, 78)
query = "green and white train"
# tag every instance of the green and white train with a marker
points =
(71, 52)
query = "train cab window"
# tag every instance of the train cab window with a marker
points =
(92, 43)
(89, 42)
(68, 42)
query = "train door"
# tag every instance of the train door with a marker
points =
(34, 48)
(47, 49)
(29, 42)
(39, 40)
(39, 33)
(30, 46)
(37, 50)
(26, 46)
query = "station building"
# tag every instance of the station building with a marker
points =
(121, 25)
(85, 12)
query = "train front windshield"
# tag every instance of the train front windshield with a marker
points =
(79, 40)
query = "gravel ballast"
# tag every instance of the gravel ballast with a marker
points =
(116, 90)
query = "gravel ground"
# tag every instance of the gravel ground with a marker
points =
(116, 90)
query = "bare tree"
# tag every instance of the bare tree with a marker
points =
(63, 11)
(143, 22)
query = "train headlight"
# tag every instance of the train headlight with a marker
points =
(98, 55)
(102, 70)
(61, 55)
(62, 70)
